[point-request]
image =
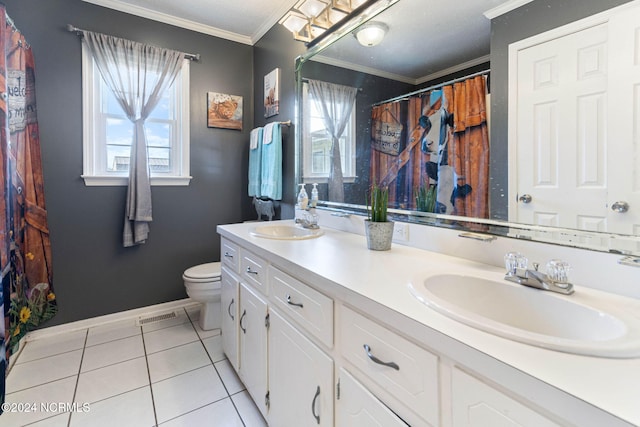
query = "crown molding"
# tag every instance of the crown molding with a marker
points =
(362, 68)
(454, 69)
(172, 20)
(505, 7)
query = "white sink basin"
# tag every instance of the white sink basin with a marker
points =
(532, 316)
(285, 232)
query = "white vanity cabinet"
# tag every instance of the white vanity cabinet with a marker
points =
(358, 407)
(300, 378)
(476, 403)
(229, 298)
(253, 345)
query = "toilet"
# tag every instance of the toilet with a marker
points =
(202, 283)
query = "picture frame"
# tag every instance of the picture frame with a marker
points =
(272, 93)
(224, 111)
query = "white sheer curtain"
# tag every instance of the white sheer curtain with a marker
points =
(336, 102)
(137, 74)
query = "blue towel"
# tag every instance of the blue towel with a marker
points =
(255, 162)
(271, 185)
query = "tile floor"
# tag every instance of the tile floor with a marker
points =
(167, 374)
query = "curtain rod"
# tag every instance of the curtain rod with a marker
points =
(80, 31)
(306, 80)
(439, 85)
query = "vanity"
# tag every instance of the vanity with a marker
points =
(324, 332)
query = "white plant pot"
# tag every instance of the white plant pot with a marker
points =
(379, 235)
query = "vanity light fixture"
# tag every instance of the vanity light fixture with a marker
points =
(308, 19)
(371, 33)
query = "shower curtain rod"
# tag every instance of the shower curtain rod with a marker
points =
(439, 85)
(79, 31)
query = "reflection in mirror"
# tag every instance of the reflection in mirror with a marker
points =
(429, 141)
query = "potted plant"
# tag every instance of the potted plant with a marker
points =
(378, 229)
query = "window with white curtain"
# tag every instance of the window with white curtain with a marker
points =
(108, 132)
(316, 141)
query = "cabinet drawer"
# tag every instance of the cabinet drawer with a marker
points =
(406, 372)
(230, 255)
(253, 271)
(308, 307)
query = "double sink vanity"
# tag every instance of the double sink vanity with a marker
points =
(324, 332)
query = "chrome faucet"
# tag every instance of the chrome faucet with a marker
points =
(555, 280)
(308, 220)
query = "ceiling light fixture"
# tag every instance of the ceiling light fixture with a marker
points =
(308, 19)
(371, 33)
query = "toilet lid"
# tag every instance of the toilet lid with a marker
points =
(203, 271)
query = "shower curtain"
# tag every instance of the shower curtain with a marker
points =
(25, 250)
(434, 143)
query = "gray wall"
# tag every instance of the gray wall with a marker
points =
(534, 18)
(93, 274)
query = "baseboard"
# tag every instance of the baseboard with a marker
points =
(108, 318)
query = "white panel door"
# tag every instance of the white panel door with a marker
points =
(624, 93)
(562, 131)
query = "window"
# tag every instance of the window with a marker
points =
(108, 132)
(317, 144)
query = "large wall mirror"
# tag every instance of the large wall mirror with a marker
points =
(424, 122)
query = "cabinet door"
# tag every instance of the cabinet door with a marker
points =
(476, 404)
(300, 378)
(253, 345)
(229, 304)
(357, 407)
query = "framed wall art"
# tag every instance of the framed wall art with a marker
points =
(272, 93)
(224, 111)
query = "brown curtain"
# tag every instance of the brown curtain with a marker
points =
(441, 141)
(25, 250)
(470, 148)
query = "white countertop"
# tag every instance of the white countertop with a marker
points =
(340, 263)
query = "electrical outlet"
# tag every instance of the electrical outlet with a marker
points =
(400, 232)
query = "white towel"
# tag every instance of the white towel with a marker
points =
(253, 138)
(267, 135)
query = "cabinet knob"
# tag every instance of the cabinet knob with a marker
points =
(297, 304)
(244, 330)
(313, 405)
(229, 309)
(378, 361)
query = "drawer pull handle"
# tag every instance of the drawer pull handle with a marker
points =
(378, 361)
(297, 304)
(229, 309)
(313, 405)
(228, 255)
(250, 271)
(244, 313)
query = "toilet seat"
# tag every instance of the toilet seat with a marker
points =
(208, 272)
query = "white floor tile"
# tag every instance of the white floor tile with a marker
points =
(50, 346)
(214, 348)
(131, 409)
(111, 380)
(162, 324)
(112, 331)
(221, 413)
(229, 377)
(166, 338)
(101, 355)
(184, 393)
(53, 392)
(178, 360)
(42, 371)
(61, 420)
(248, 410)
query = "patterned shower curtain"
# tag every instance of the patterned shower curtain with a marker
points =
(432, 150)
(25, 250)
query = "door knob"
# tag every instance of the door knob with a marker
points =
(525, 198)
(620, 207)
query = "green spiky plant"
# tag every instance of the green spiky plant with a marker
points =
(379, 200)
(426, 198)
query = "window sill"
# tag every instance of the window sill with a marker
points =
(105, 181)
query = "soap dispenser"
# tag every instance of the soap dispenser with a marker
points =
(303, 198)
(314, 195)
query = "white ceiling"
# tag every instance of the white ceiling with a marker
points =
(446, 32)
